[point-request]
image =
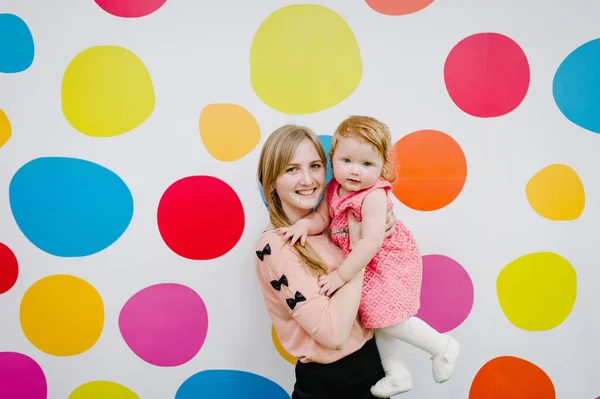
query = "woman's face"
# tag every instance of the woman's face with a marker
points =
(301, 184)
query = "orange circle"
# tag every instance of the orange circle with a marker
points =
(511, 377)
(394, 7)
(430, 170)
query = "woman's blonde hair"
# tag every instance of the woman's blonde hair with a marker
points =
(369, 130)
(275, 157)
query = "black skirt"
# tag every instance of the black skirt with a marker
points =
(348, 378)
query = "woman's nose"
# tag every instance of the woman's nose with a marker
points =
(306, 178)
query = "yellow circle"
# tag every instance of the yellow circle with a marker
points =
(556, 193)
(228, 131)
(304, 58)
(107, 91)
(102, 390)
(280, 348)
(537, 291)
(62, 315)
(5, 129)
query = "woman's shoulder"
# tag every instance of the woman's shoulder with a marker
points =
(272, 246)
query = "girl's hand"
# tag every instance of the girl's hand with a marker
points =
(330, 283)
(298, 231)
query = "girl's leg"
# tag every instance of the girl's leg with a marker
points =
(397, 377)
(443, 348)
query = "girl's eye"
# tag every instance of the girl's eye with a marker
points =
(367, 164)
(346, 160)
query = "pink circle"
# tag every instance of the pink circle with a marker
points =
(164, 324)
(130, 8)
(21, 377)
(200, 217)
(487, 75)
(446, 293)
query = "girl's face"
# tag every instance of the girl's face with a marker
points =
(356, 164)
(301, 184)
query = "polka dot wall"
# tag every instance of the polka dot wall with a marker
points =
(129, 207)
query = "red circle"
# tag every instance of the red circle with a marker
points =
(200, 217)
(487, 75)
(9, 268)
(130, 8)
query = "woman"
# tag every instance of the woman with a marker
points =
(337, 356)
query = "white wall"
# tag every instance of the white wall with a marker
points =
(198, 53)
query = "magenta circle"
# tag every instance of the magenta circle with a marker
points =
(446, 293)
(21, 377)
(164, 324)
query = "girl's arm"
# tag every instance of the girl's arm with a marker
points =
(323, 209)
(315, 223)
(374, 210)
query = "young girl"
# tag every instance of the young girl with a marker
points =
(393, 265)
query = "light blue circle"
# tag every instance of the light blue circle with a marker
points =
(229, 384)
(576, 86)
(70, 207)
(16, 44)
(326, 141)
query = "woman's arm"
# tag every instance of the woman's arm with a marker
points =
(345, 302)
(288, 285)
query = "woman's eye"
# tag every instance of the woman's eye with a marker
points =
(315, 166)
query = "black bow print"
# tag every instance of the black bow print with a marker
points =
(266, 251)
(293, 301)
(277, 283)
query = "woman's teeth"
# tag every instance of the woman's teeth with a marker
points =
(306, 192)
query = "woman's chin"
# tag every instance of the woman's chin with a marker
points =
(307, 201)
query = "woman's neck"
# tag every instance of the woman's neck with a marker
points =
(295, 214)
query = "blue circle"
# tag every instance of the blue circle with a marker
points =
(16, 44)
(326, 141)
(70, 207)
(229, 384)
(576, 86)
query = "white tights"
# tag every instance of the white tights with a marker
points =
(413, 331)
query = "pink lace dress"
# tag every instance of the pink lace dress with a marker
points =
(392, 284)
